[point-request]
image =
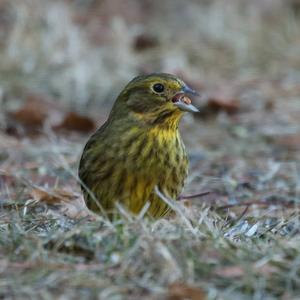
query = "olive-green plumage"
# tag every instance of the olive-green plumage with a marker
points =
(138, 147)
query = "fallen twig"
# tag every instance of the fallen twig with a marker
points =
(262, 203)
(182, 197)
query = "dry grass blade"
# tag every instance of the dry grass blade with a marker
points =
(178, 209)
(182, 197)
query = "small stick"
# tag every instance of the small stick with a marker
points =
(240, 217)
(262, 203)
(193, 196)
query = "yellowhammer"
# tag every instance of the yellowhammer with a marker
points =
(138, 148)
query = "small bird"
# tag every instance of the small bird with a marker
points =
(138, 148)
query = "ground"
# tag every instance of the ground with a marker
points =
(62, 65)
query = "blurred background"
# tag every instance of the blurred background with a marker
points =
(82, 52)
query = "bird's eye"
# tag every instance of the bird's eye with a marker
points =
(158, 87)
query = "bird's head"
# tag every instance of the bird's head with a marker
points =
(156, 98)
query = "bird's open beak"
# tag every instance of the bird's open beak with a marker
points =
(183, 102)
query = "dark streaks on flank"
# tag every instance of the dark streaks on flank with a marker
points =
(175, 178)
(95, 163)
(177, 157)
(133, 184)
(133, 138)
(140, 148)
(165, 143)
(174, 192)
(119, 188)
(151, 153)
(146, 153)
(183, 169)
(106, 174)
(167, 159)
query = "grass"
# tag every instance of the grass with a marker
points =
(47, 255)
(239, 242)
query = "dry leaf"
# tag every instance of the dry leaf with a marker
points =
(183, 291)
(30, 118)
(51, 197)
(37, 109)
(6, 179)
(229, 105)
(75, 122)
(225, 98)
(69, 203)
(144, 42)
(30, 115)
(230, 272)
(237, 271)
(270, 104)
(291, 141)
(267, 269)
(6, 182)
